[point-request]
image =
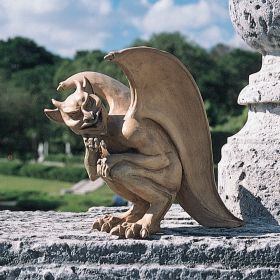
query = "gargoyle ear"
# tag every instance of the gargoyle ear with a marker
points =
(54, 115)
(87, 86)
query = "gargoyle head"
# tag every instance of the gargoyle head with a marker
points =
(82, 111)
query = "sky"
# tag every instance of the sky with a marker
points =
(65, 26)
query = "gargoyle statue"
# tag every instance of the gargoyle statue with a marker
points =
(151, 144)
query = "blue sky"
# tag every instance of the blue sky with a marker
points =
(65, 26)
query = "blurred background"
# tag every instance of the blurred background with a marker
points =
(44, 42)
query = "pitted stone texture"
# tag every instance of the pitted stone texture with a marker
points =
(50, 245)
(258, 23)
(264, 86)
(249, 171)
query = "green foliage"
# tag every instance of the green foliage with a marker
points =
(16, 184)
(35, 170)
(33, 201)
(223, 83)
(10, 167)
(233, 123)
(66, 173)
(39, 194)
(219, 139)
(22, 53)
(78, 203)
(196, 59)
(88, 61)
(29, 75)
(64, 158)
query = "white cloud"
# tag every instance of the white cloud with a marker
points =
(13, 7)
(103, 7)
(166, 15)
(210, 36)
(62, 26)
(196, 20)
(145, 3)
(68, 42)
(237, 42)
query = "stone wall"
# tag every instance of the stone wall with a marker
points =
(50, 245)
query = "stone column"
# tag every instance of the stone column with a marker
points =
(249, 171)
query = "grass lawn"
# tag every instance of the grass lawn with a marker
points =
(43, 194)
(19, 184)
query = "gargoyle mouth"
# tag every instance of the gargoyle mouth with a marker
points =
(93, 122)
(87, 125)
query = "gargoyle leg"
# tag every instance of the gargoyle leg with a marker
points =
(137, 181)
(139, 207)
(136, 212)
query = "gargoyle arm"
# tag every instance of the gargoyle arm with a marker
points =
(90, 161)
(151, 162)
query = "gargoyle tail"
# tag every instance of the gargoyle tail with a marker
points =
(205, 216)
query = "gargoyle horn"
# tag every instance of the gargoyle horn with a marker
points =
(56, 103)
(87, 86)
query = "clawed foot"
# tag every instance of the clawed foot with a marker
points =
(131, 230)
(117, 226)
(106, 223)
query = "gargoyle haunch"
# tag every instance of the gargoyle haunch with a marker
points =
(150, 143)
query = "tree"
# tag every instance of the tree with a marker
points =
(20, 53)
(29, 75)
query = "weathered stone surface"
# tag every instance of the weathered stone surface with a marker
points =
(249, 170)
(264, 86)
(258, 23)
(50, 245)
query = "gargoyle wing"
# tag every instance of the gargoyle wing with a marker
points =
(164, 91)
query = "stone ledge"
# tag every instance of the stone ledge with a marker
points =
(51, 245)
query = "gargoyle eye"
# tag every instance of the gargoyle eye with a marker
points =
(74, 115)
(87, 120)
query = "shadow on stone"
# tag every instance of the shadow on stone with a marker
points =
(252, 210)
(248, 230)
(197, 231)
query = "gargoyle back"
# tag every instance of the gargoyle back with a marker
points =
(163, 90)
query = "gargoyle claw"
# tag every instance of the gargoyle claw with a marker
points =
(118, 230)
(144, 233)
(96, 143)
(133, 231)
(91, 144)
(103, 168)
(61, 86)
(109, 223)
(103, 149)
(129, 233)
(106, 227)
(96, 224)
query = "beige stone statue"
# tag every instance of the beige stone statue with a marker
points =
(151, 144)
